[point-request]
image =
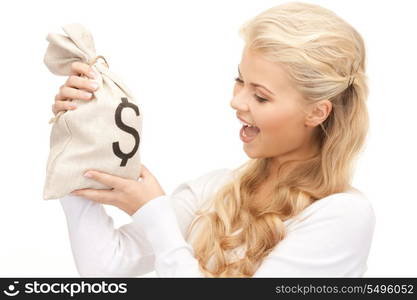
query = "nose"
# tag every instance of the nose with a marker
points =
(240, 101)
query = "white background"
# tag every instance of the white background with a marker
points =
(180, 58)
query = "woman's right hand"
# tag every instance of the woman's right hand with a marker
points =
(76, 87)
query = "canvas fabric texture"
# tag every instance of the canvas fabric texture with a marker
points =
(103, 133)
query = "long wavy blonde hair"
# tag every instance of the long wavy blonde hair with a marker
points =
(322, 54)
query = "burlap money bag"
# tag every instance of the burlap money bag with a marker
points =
(102, 133)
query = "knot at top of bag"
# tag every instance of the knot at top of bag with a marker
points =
(63, 50)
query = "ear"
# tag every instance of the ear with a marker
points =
(318, 113)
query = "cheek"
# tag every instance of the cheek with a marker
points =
(275, 120)
(282, 127)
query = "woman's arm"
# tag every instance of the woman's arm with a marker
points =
(174, 256)
(98, 248)
(101, 250)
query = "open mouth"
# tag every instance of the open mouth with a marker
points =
(250, 129)
(248, 132)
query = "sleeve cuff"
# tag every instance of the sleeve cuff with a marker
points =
(157, 219)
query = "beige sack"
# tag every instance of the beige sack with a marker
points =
(102, 134)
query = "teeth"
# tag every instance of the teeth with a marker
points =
(246, 124)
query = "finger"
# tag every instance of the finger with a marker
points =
(107, 179)
(80, 68)
(67, 92)
(62, 105)
(102, 196)
(59, 97)
(81, 83)
(144, 173)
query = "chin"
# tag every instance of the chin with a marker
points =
(252, 154)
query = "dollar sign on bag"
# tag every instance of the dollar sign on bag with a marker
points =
(118, 118)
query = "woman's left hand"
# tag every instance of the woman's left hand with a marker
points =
(127, 194)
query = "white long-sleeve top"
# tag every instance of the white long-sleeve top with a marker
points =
(330, 238)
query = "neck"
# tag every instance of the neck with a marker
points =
(298, 154)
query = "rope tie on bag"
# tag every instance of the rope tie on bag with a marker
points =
(55, 118)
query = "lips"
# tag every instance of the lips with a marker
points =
(246, 122)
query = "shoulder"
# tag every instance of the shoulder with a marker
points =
(210, 177)
(209, 183)
(349, 214)
(194, 192)
(188, 196)
(331, 237)
(352, 205)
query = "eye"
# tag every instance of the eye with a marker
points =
(259, 99)
(237, 79)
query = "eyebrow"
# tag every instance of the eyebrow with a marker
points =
(255, 84)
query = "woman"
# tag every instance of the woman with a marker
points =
(290, 210)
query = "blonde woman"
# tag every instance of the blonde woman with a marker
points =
(289, 211)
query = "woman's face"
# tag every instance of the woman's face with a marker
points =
(280, 119)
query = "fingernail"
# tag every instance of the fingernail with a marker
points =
(88, 95)
(93, 74)
(88, 174)
(72, 105)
